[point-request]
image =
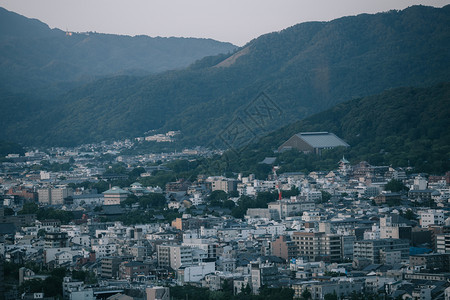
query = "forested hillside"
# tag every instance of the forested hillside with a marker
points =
(37, 59)
(302, 70)
(401, 127)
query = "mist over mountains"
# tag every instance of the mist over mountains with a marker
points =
(302, 70)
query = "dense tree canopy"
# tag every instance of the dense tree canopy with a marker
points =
(301, 70)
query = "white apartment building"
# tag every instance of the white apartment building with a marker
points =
(197, 199)
(103, 250)
(311, 216)
(373, 234)
(312, 195)
(420, 183)
(431, 217)
(195, 273)
(288, 207)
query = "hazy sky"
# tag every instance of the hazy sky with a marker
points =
(235, 21)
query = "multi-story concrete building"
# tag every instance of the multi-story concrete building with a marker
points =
(318, 246)
(44, 196)
(193, 241)
(264, 213)
(110, 266)
(59, 194)
(139, 252)
(443, 243)
(222, 183)
(180, 256)
(133, 270)
(174, 256)
(56, 240)
(431, 261)
(395, 227)
(195, 273)
(54, 196)
(102, 250)
(284, 247)
(262, 274)
(163, 254)
(347, 242)
(318, 290)
(431, 217)
(287, 208)
(372, 249)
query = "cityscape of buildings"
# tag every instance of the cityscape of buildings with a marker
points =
(342, 232)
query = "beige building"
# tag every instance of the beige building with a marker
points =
(157, 293)
(222, 183)
(44, 196)
(174, 256)
(54, 196)
(284, 247)
(114, 196)
(318, 246)
(395, 227)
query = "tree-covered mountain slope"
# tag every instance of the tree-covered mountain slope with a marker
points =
(33, 56)
(301, 70)
(399, 127)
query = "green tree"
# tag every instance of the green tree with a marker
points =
(79, 275)
(263, 198)
(8, 211)
(410, 215)
(306, 294)
(53, 286)
(395, 186)
(276, 293)
(119, 168)
(247, 290)
(31, 286)
(233, 194)
(217, 195)
(332, 296)
(325, 196)
(228, 204)
(136, 172)
(28, 208)
(152, 200)
(131, 199)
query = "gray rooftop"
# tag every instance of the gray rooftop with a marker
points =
(116, 190)
(322, 139)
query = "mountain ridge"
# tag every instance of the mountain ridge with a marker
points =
(303, 69)
(31, 51)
